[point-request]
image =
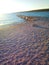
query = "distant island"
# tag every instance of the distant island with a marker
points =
(38, 10)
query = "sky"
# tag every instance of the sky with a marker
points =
(9, 6)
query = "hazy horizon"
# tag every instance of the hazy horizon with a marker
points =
(10, 6)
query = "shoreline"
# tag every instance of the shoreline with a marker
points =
(25, 43)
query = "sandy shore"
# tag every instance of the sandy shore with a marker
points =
(26, 43)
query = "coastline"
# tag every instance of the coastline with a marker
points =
(25, 43)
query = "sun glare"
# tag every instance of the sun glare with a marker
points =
(1, 24)
(8, 6)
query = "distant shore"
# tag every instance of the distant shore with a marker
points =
(38, 10)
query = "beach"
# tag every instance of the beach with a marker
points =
(26, 43)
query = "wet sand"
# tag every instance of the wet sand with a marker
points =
(25, 43)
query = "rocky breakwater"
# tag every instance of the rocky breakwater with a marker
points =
(33, 18)
(28, 18)
(36, 21)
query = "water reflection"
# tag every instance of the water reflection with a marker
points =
(9, 19)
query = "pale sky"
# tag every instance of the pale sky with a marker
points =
(9, 6)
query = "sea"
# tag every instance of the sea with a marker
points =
(13, 18)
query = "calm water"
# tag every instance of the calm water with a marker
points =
(11, 18)
(42, 14)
